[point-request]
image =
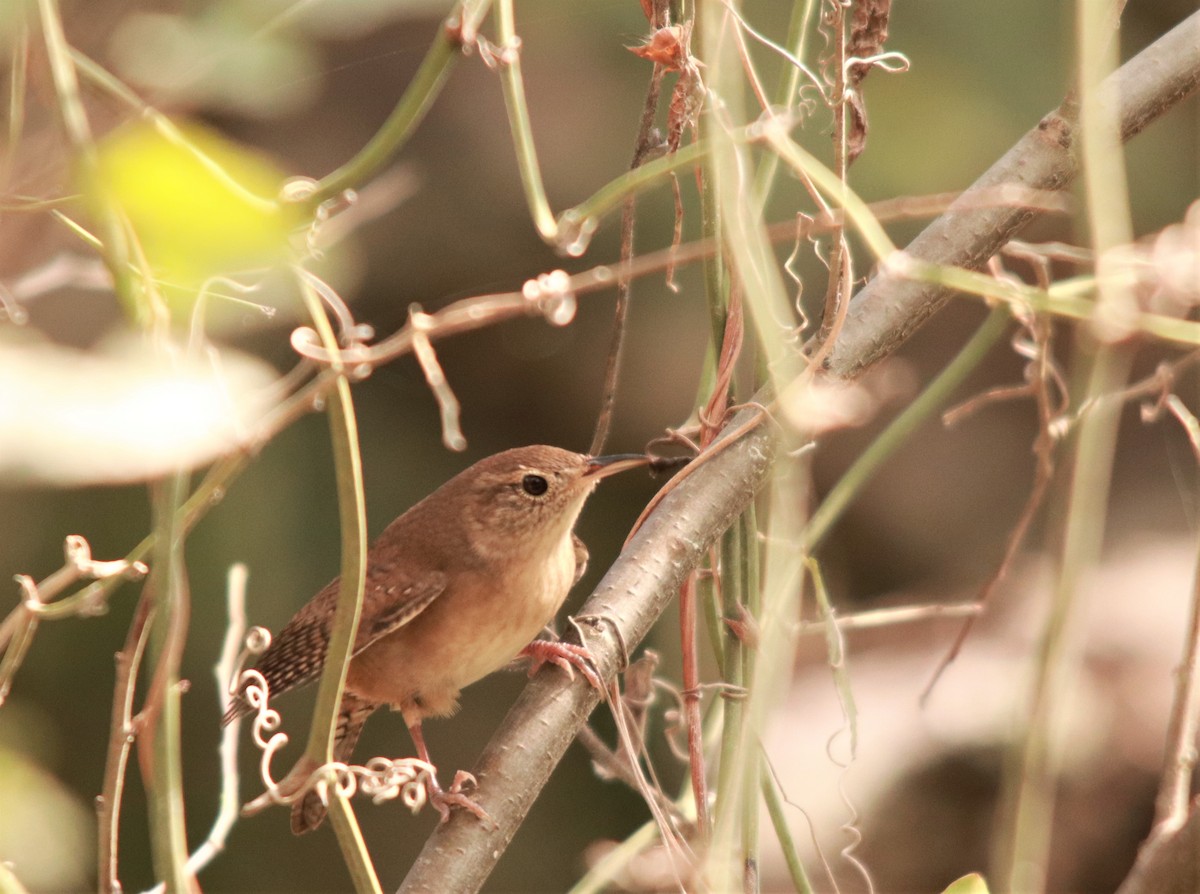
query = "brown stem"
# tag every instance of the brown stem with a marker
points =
(612, 370)
(120, 741)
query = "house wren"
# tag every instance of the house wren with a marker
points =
(456, 587)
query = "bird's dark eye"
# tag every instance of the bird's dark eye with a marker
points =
(534, 485)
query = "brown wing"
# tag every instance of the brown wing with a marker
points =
(297, 655)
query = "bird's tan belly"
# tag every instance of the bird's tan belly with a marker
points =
(473, 629)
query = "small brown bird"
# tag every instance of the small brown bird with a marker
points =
(456, 588)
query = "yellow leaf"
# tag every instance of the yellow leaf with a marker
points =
(199, 205)
(968, 884)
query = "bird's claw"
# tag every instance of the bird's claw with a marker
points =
(444, 800)
(565, 655)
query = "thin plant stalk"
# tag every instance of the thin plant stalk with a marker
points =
(797, 38)
(120, 741)
(750, 573)
(353, 521)
(935, 396)
(754, 275)
(415, 102)
(66, 87)
(223, 671)
(518, 121)
(732, 582)
(1025, 841)
(168, 631)
(691, 702)
(1036, 767)
(643, 143)
(773, 798)
(581, 220)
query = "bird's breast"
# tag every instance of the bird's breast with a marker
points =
(513, 606)
(477, 626)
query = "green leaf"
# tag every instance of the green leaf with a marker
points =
(968, 884)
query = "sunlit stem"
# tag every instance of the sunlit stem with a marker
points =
(353, 519)
(416, 101)
(518, 122)
(1023, 861)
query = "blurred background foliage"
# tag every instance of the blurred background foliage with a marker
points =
(305, 85)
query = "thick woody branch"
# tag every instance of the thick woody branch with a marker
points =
(888, 310)
(1168, 862)
(517, 762)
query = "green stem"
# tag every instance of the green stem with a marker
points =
(609, 197)
(1033, 774)
(932, 399)
(353, 519)
(168, 835)
(426, 84)
(66, 87)
(791, 854)
(1032, 786)
(706, 593)
(518, 122)
(789, 83)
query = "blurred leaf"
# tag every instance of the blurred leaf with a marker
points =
(216, 61)
(201, 206)
(123, 412)
(968, 884)
(350, 18)
(46, 832)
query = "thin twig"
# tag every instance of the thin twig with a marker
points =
(1171, 806)
(224, 671)
(548, 294)
(352, 518)
(448, 406)
(120, 742)
(642, 145)
(1041, 378)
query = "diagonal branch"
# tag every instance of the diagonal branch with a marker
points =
(888, 310)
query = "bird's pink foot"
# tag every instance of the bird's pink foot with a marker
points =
(565, 655)
(443, 801)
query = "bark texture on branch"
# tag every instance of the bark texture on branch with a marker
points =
(888, 309)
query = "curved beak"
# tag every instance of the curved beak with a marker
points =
(602, 466)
